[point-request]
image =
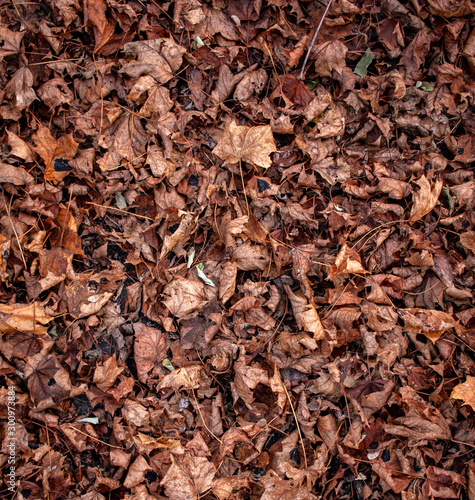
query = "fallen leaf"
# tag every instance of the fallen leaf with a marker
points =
(182, 378)
(425, 199)
(183, 297)
(55, 153)
(188, 477)
(250, 144)
(14, 175)
(347, 261)
(465, 392)
(305, 314)
(150, 349)
(24, 318)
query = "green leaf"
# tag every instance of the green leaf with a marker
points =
(362, 66)
(311, 84)
(198, 42)
(166, 363)
(424, 86)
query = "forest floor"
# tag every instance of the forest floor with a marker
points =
(227, 271)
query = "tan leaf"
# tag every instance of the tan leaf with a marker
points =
(14, 175)
(20, 148)
(347, 261)
(106, 373)
(135, 414)
(425, 199)
(150, 349)
(431, 323)
(249, 144)
(55, 153)
(20, 90)
(331, 56)
(136, 472)
(188, 478)
(305, 314)
(451, 8)
(187, 377)
(23, 318)
(183, 297)
(465, 392)
(181, 234)
(227, 281)
(468, 240)
(10, 41)
(96, 14)
(159, 58)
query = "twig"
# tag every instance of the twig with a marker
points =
(203, 420)
(314, 38)
(296, 421)
(119, 210)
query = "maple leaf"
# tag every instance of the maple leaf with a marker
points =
(250, 144)
(55, 153)
(465, 391)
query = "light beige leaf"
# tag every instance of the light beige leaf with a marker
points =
(188, 478)
(183, 297)
(347, 261)
(227, 281)
(465, 392)
(150, 349)
(431, 323)
(187, 377)
(468, 240)
(14, 175)
(331, 56)
(20, 148)
(249, 144)
(425, 199)
(305, 314)
(23, 318)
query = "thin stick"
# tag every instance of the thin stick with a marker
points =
(203, 420)
(296, 422)
(314, 38)
(119, 210)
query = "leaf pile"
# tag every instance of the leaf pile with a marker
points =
(219, 281)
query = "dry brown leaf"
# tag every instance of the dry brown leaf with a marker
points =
(150, 349)
(183, 297)
(20, 148)
(305, 314)
(23, 318)
(188, 477)
(468, 240)
(425, 199)
(347, 261)
(106, 373)
(451, 8)
(227, 281)
(250, 144)
(431, 323)
(14, 175)
(160, 58)
(136, 472)
(330, 56)
(96, 14)
(55, 153)
(465, 392)
(187, 377)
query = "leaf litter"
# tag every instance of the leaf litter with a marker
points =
(237, 249)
